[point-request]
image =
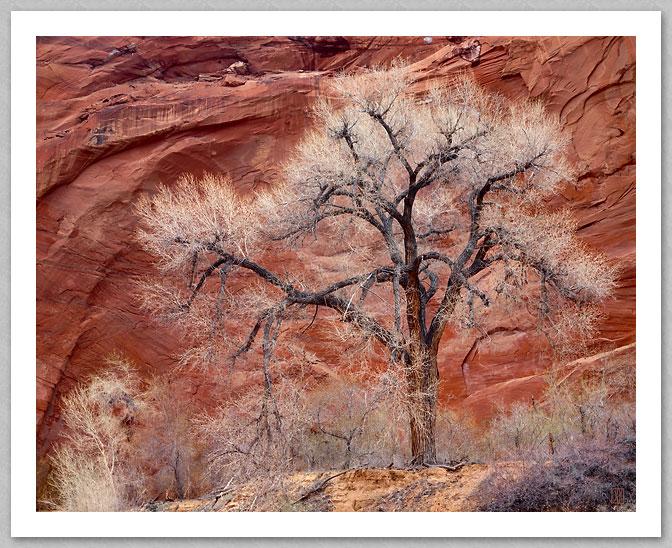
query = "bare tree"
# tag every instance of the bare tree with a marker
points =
(166, 442)
(346, 411)
(92, 468)
(429, 190)
(244, 445)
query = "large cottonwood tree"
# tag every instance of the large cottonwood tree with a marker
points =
(429, 190)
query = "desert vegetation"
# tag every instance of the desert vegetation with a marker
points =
(574, 449)
(442, 197)
(94, 468)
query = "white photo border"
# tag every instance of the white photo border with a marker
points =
(27, 522)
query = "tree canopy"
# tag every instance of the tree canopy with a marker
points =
(428, 189)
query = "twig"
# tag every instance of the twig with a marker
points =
(311, 321)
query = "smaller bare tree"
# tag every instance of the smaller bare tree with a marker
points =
(166, 443)
(91, 466)
(345, 411)
(245, 445)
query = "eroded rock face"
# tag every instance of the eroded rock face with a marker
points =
(118, 116)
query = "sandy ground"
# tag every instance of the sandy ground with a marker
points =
(359, 490)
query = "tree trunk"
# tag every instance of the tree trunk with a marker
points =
(179, 482)
(423, 390)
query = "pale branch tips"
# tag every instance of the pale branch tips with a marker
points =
(419, 195)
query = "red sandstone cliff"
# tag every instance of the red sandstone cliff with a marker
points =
(117, 116)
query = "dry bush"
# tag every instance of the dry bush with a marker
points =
(92, 466)
(597, 406)
(166, 446)
(340, 419)
(357, 421)
(458, 439)
(256, 439)
(584, 477)
(519, 432)
(125, 442)
(259, 439)
(574, 451)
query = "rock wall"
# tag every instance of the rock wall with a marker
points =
(117, 116)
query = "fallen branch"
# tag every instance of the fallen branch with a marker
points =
(448, 467)
(453, 468)
(219, 493)
(320, 486)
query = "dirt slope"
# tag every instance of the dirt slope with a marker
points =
(361, 490)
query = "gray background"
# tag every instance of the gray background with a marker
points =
(7, 6)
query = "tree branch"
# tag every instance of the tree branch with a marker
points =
(396, 146)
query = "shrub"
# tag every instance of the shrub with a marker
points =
(574, 451)
(587, 477)
(260, 438)
(517, 433)
(92, 470)
(597, 406)
(457, 438)
(256, 439)
(165, 444)
(357, 422)
(124, 442)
